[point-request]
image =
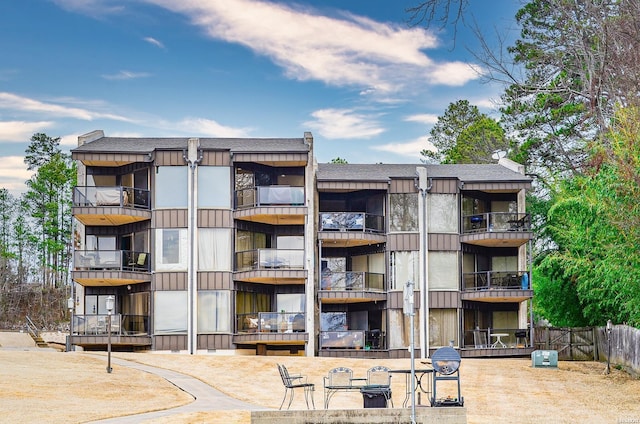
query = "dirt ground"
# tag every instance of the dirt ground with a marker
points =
(74, 387)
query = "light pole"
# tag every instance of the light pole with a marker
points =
(70, 305)
(609, 328)
(110, 302)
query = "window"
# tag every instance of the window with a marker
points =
(290, 302)
(214, 249)
(170, 312)
(333, 321)
(171, 249)
(214, 311)
(214, 187)
(403, 210)
(443, 271)
(442, 327)
(171, 187)
(404, 267)
(443, 213)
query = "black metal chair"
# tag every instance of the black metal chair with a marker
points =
(292, 382)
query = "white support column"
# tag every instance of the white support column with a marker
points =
(193, 156)
(424, 187)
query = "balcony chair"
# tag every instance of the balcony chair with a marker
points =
(139, 262)
(480, 339)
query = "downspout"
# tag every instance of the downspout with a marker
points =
(310, 234)
(192, 156)
(424, 187)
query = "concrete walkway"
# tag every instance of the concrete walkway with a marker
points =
(206, 398)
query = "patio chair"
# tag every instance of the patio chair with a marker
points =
(292, 382)
(340, 378)
(139, 262)
(379, 377)
(480, 339)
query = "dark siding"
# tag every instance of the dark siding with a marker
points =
(170, 281)
(169, 218)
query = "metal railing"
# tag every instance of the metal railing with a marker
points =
(121, 324)
(491, 338)
(270, 259)
(352, 280)
(120, 260)
(497, 280)
(269, 195)
(271, 322)
(32, 329)
(496, 221)
(351, 221)
(129, 197)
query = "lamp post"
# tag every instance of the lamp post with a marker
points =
(110, 302)
(70, 305)
(609, 328)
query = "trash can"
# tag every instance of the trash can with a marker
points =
(375, 397)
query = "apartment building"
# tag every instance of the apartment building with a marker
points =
(249, 246)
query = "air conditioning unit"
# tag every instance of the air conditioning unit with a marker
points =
(544, 359)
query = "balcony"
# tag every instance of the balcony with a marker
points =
(348, 229)
(126, 330)
(110, 267)
(271, 266)
(496, 229)
(496, 286)
(496, 342)
(99, 206)
(277, 328)
(275, 205)
(352, 287)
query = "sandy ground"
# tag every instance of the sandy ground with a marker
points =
(74, 387)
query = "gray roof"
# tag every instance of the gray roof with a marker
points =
(385, 172)
(147, 145)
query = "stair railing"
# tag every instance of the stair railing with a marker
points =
(31, 328)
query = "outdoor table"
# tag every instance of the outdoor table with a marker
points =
(499, 341)
(419, 374)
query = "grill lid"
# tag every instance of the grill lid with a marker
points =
(445, 360)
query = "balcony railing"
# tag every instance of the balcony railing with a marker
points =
(269, 195)
(496, 221)
(352, 280)
(347, 339)
(121, 324)
(118, 260)
(496, 280)
(90, 196)
(351, 221)
(271, 322)
(270, 259)
(493, 338)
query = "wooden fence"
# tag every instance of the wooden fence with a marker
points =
(572, 344)
(625, 347)
(592, 344)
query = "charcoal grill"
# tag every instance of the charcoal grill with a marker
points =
(446, 364)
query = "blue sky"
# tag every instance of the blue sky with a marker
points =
(354, 73)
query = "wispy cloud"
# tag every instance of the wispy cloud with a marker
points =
(21, 131)
(126, 75)
(346, 50)
(209, 128)
(410, 150)
(422, 118)
(95, 8)
(13, 174)
(14, 103)
(344, 123)
(153, 41)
